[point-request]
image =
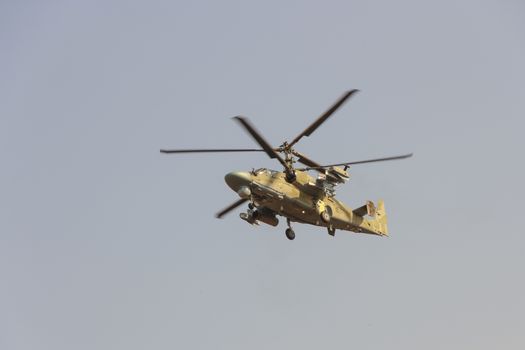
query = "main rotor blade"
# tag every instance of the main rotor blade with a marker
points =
(305, 160)
(308, 131)
(260, 140)
(358, 162)
(211, 150)
(230, 208)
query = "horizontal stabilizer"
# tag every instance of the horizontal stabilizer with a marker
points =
(367, 209)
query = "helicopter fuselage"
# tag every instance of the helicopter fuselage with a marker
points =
(305, 200)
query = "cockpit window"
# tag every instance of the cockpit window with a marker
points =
(259, 171)
(264, 171)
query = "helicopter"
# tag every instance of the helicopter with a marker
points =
(293, 193)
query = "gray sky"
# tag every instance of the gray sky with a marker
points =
(107, 244)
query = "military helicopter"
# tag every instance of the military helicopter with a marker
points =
(293, 193)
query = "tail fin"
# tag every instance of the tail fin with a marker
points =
(381, 218)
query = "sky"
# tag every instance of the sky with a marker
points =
(107, 244)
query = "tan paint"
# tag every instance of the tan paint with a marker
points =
(304, 201)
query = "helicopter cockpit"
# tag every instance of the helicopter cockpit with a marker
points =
(266, 171)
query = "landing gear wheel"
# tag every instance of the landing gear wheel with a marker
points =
(290, 234)
(325, 216)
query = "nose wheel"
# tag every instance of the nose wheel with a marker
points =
(290, 234)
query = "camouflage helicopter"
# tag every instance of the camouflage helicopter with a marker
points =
(293, 193)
